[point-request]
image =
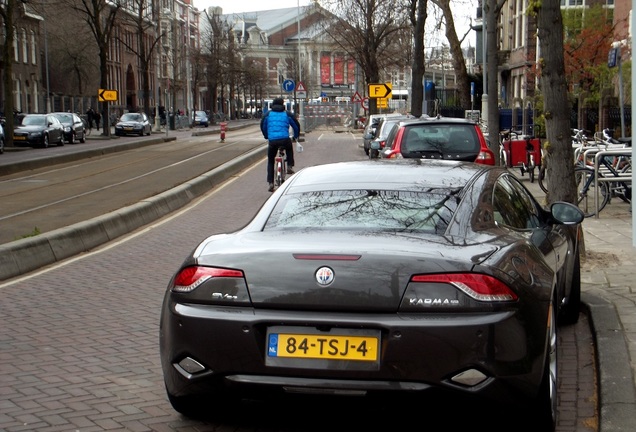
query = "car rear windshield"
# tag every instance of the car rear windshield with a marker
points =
(442, 138)
(385, 210)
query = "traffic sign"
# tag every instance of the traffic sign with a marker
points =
(356, 98)
(107, 95)
(365, 103)
(380, 90)
(301, 91)
(289, 85)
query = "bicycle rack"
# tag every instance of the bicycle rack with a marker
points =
(598, 155)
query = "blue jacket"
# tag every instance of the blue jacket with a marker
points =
(275, 124)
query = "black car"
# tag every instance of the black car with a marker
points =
(133, 124)
(379, 276)
(74, 129)
(38, 130)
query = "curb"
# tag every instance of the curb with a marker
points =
(617, 395)
(29, 254)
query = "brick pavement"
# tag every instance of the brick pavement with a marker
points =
(73, 359)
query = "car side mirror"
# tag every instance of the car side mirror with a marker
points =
(566, 213)
(375, 145)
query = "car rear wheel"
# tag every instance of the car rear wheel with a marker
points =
(542, 412)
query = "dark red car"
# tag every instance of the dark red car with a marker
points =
(438, 138)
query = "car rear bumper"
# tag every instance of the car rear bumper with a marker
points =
(492, 355)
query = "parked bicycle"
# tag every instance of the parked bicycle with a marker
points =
(593, 195)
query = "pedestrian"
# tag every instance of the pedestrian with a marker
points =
(98, 117)
(90, 117)
(275, 128)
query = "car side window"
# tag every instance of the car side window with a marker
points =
(390, 138)
(512, 205)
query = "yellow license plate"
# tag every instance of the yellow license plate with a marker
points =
(323, 346)
(18, 138)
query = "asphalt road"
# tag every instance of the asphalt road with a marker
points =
(80, 338)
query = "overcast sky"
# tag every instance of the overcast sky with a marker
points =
(465, 10)
(233, 6)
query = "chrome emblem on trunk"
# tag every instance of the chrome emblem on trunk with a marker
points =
(325, 276)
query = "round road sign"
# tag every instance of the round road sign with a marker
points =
(365, 103)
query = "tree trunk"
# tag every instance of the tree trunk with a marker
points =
(558, 150)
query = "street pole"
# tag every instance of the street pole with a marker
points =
(484, 95)
(301, 117)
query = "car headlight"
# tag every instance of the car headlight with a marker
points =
(67, 129)
(35, 134)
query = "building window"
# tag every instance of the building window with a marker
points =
(16, 41)
(34, 57)
(25, 46)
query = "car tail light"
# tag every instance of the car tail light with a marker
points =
(189, 278)
(485, 157)
(477, 286)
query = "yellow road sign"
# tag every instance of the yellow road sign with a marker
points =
(107, 95)
(382, 103)
(380, 90)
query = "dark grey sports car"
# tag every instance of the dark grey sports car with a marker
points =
(379, 276)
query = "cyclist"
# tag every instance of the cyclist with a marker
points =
(275, 128)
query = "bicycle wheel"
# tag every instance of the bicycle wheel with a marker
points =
(587, 193)
(280, 172)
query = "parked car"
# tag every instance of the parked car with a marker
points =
(382, 132)
(38, 130)
(379, 276)
(370, 129)
(438, 138)
(200, 119)
(133, 124)
(74, 129)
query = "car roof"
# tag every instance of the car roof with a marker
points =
(405, 174)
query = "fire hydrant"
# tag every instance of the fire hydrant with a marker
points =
(223, 129)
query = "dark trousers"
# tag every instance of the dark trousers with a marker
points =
(271, 156)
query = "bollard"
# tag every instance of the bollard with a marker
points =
(223, 129)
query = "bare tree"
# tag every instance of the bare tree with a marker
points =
(100, 15)
(142, 16)
(7, 9)
(457, 55)
(366, 31)
(558, 148)
(213, 41)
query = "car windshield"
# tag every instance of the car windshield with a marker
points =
(65, 118)
(440, 138)
(389, 210)
(34, 121)
(200, 114)
(131, 117)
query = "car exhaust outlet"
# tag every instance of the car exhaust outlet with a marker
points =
(470, 378)
(188, 367)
